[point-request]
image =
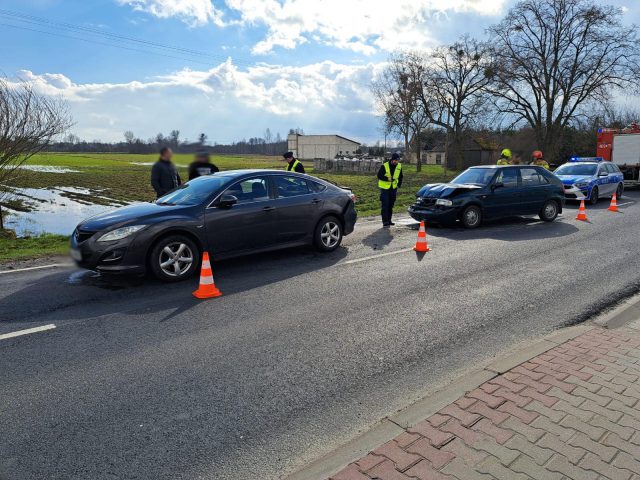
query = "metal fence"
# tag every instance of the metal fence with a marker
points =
(356, 165)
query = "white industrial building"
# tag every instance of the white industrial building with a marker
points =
(310, 147)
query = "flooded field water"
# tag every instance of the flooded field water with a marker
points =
(54, 210)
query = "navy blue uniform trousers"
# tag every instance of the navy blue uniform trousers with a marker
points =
(387, 201)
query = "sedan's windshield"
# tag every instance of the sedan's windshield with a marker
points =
(475, 176)
(195, 192)
(576, 169)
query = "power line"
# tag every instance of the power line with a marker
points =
(40, 20)
(122, 39)
(103, 43)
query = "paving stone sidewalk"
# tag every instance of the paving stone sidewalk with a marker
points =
(571, 413)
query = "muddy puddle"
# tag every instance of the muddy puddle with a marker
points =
(53, 210)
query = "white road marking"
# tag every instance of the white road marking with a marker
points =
(55, 265)
(625, 203)
(373, 257)
(28, 331)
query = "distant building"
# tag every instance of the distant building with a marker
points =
(310, 147)
(475, 151)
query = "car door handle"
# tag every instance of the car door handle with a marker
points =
(315, 201)
(268, 209)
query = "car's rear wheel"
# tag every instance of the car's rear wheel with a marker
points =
(328, 234)
(174, 258)
(549, 211)
(471, 217)
(595, 196)
(619, 190)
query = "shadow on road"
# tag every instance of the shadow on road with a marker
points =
(512, 229)
(379, 239)
(85, 294)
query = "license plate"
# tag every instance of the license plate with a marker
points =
(76, 254)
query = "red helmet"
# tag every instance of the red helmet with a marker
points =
(537, 154)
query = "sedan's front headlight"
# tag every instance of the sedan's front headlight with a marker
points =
(581, 184)
(120, 233)
(444, 202)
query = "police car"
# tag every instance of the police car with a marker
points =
(590, 178)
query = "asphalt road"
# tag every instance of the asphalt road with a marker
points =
(140, 381)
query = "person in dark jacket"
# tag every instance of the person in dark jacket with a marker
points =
(201, 166)
(293, 164)
(164, 174)
(389, 180)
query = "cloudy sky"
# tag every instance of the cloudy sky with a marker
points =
(229, 68)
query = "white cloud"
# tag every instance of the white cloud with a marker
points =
(193, 12)
(225, 102)
(362, 26)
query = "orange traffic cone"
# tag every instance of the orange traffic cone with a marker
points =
(582, 213)
(421, 244)
(207, 288)
(614, 204)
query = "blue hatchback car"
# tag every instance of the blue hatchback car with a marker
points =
(590, 178)
(491, 191)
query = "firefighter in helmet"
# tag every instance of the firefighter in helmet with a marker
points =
(505, 157)
(538, 159)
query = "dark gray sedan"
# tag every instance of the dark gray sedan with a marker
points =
(227, 214)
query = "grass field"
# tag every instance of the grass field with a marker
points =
(33, 247)
(125, 178)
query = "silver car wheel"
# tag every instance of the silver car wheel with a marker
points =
(175, 259)
(550, 210)
(472, 217)
(330, 234)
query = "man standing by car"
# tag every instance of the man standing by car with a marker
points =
(389, 180)
(505, 157)
(293, 164)
(537, 159)
(201, 166)
(164, 175)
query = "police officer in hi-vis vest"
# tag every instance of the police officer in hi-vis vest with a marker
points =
(389, 179)
(293, 164)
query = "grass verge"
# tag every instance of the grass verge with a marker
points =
(12, 248)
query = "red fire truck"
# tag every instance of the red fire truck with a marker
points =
(622, 147)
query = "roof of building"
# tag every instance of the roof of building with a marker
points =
(329, 135)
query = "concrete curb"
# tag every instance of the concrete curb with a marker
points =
(395, 424)
(627, 311)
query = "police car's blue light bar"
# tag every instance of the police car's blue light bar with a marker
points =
(586, 159)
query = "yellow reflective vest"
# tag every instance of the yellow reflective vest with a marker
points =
(292, 166)
(542, 163)
(386, 184)
(504, 161)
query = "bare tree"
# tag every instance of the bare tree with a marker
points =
(455, 88)
(202, 139)
(29, 122)
(174, 138)
(398, 94)
(554, 57)
(129, 137)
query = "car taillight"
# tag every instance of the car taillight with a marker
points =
(354, 199)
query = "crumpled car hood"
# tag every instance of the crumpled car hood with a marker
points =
(444, 190)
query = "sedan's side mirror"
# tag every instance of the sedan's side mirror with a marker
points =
(497, 185)
(603, 174)
(226, 201)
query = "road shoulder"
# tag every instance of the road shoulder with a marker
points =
(545, 410)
